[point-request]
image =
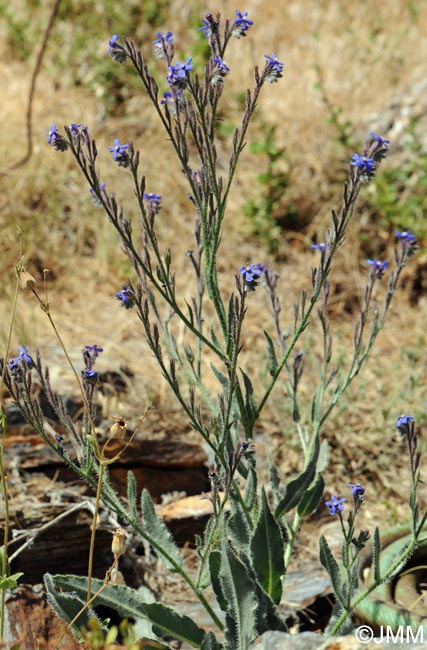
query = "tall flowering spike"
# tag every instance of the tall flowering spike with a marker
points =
(120, 154)
(241, 24)
(378, 268)
(335, 504)
(252, 274)
(115, 50)
(56, 140)
(126, 297)
(273, 68)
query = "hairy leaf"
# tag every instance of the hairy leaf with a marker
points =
(158, 531)
(132, 494)
(240, 591)
(296, 488)
(66, 606)
(267, 550)
(166, 622)
(331, 566)
(312, 497)
(272, 359)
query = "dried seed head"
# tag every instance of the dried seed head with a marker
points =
(118, 545)
(118, 429)
(26, 280)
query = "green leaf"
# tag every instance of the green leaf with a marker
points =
(10, 582)
(376, 555)
(214, 567)
(132, 494)
(297, 488)
(67, 606)
(267, 549)
(210, 642)
(250, 404)
(166, 622)
(240, 591)
(238, 529)
(127, 602)
(251, 486)
(323, 460)
(329, 562)
(159, 533)
(272, 359)
(312, 497)
(221, 378)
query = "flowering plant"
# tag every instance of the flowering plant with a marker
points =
(248, 543)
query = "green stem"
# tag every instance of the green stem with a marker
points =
(94, 524)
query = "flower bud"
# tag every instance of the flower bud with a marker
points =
(118, 545)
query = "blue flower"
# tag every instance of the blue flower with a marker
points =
(274, 68)
(362, 162)
(152, 198)
(177, 76)
(319, 247)
(112, 43)
(335, 505)
(55, 139)
(163, 47)
(90, 376)
(219, 71)
(94, 350)
(74, 129)
(167, 38)
(379, 139)
(378, 268)
(241, 24)
(406, 235)
(251, 275)
(115, 50)
(126, 297)
(403, 422)
(23, 355)
(119, 153)
(356, 489)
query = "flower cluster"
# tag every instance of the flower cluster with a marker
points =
(408, 241)
(163, 47)
(16, 362)
(335, 505)
(220, 70)
(115, 50)
(252, 274)
(241, 24)
(56, 140)
(90, 355)
(273, 68)
(363, 163)
(120, 154)
(177, 74)
(126, 297)
(378, 268)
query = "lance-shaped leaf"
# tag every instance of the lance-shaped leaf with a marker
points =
(250, 404)
(215, 567)
(66, 606)
(167, 623)
(251, 486)
(376, 555)
(240, 591)
(267, 550)
(210, 642)
(331, 566)
(297, 488)
(272, 359)
(132, 494)
(159, 533)
(127, 602)
(312, 497)
(238, 529)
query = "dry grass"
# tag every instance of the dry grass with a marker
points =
(366, 54)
